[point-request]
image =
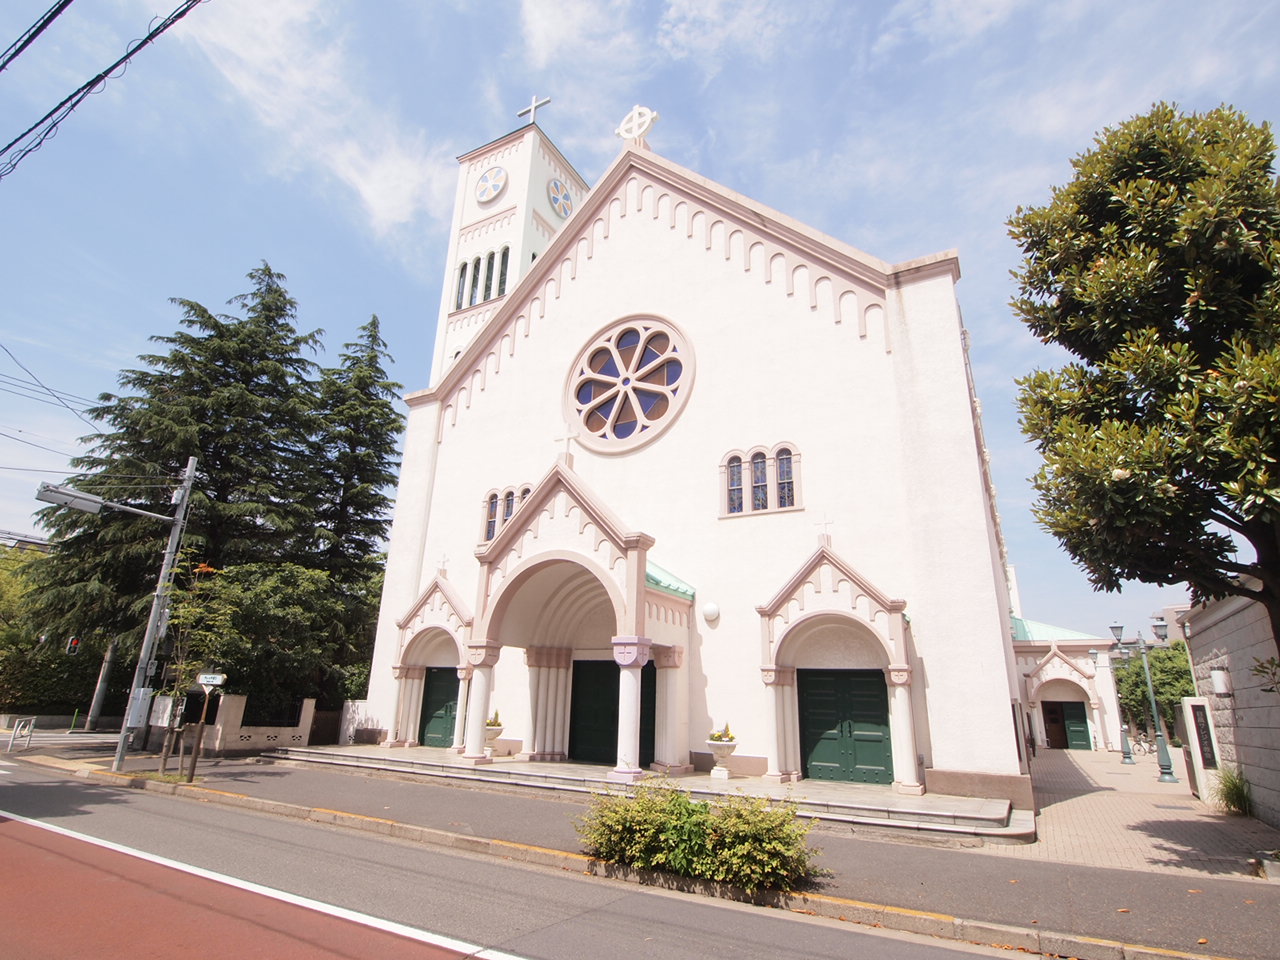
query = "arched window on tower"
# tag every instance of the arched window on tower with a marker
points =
(488, 277)
(475, 282)
(734, 488)
(502, 271)
(508, 505)
(759, 483)
(786, 482)
(462, 286)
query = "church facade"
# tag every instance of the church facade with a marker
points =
(685, 462)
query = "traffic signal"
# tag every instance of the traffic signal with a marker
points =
(73, 646)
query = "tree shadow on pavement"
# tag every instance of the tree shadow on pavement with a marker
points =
(45, 800)
(1220, 846)
(1055, 778)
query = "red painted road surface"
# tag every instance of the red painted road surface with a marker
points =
(63, 898)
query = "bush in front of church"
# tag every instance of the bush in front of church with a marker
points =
(744, 841)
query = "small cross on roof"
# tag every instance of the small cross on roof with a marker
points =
(532, 109)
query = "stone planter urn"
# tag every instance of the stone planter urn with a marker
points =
(491, 734)
(722, 750)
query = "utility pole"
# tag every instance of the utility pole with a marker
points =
(135, 714)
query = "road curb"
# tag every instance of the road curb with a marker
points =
(940, 925)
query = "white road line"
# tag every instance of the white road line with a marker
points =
(422, 936)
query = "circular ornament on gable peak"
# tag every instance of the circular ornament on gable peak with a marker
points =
(629, 384)
(491, 183)
(561, 199)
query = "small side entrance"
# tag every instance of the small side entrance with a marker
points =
(439, 707)
(1066, 726)
(844, 726)
(593, 711)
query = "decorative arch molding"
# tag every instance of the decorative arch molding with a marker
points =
(439, 607)
(826, 585)
(562, 519)
(1056, 665)
(837, 282)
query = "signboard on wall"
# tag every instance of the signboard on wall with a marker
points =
(1204, 735)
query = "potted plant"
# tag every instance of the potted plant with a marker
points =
(492, 731)
(722, 743)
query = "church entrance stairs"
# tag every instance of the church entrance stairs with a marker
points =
(864, 807)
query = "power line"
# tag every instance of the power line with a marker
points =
(29, 443)
(32, 32)
(31, 385)
(35, 135)
(53, 393)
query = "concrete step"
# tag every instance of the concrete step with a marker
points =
(991, 820)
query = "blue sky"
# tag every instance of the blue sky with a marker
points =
(320, 136)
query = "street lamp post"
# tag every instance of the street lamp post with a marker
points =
(1162, 749)
(70, 497)
(1126, 755)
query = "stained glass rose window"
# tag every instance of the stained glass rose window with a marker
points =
(629, 383)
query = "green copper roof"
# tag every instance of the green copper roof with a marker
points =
(656, 577)
(1031, 631)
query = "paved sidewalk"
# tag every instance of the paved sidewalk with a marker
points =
(1095, 811)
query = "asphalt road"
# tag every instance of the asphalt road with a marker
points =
(521, 910)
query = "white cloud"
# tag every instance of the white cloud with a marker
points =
(942, 24)
(714, 31)
(293, 73)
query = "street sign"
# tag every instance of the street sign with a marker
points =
(211, 679)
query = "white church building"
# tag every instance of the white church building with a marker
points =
(686, 462)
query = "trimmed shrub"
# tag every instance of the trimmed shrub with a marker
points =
(745, 841)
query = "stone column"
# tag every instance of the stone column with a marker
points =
(460, 718)
(671, 755)
(1095, 720)
(631, 654)
(481, 656)
(902, 731)
(776, 681)
(408, 704)
(547, 665)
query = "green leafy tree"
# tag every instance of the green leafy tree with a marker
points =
(265, 625)
(232, 392)
(1170, 680)
(1158, 267)
(355, 461)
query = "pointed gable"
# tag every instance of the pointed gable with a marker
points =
(561, 514)
(1055, 665)
(825, 583)
(836, 281)
(437, 606)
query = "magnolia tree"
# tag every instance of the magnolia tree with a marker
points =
(1158, 267)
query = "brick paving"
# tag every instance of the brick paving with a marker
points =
(1097, 812)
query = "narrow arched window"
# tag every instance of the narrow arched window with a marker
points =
(491, 518)
(786, 482)
(502, 271)
(475, 281)
(524, 494)
(488, 277)
(759, 483)
(462, 286)
(508, 505)
(734, 483)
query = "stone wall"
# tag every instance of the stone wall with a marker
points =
(1230, 635)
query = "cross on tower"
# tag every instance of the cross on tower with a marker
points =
(532, 108)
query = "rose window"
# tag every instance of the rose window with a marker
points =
(629, 383)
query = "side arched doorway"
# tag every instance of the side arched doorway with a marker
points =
(429, 710)
(1064, 712)
(439, 714)
(840, 717)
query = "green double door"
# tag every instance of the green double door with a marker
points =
(593, 711)
(439, 707)
(844, 726)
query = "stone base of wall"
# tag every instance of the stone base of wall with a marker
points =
(962, 783)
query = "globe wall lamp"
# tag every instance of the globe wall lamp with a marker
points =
(78, 500)
(1162, 749)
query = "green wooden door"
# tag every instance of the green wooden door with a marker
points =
(844, 726)
(439, 707)
(593, 712)
(1073, 717)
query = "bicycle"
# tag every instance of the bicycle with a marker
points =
(1141, 744)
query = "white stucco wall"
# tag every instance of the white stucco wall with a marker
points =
(867, 387)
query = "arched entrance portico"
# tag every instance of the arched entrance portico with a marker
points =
(1062, 710)
(837, 655)
(432, 691)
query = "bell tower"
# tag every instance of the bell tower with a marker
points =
(514, 194)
